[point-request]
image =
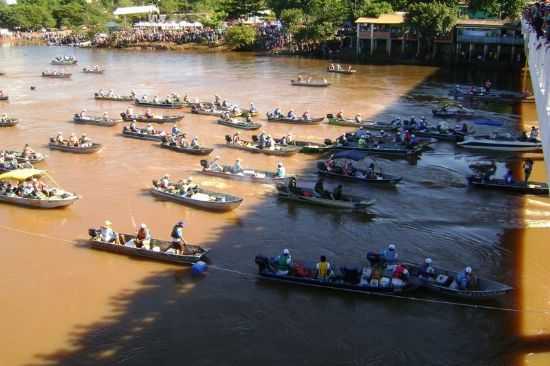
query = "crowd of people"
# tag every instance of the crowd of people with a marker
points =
(32, 188)
(73, 140)
(538, 15)
(135, 36)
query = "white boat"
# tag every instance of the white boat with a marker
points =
(504, 144)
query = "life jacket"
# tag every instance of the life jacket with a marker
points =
(282, 263)
(323, 269)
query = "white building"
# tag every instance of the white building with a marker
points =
(9, 2)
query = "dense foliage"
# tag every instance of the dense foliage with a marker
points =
(241, 37)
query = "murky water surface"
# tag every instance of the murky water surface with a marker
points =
(63, 303)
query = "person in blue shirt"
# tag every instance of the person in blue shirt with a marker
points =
(464, 278)
(390, 254)
(509, 177)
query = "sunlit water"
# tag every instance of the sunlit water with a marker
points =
(64, 303)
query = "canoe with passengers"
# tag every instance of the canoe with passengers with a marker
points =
(114, 98)
(306, 147)
(64, 62)
(501, 143)
(535, 188)
(343, 279)
(151, 119)
(381, 149)
(33, 158)
(239, 123)
(95, 120)
(191, 253)
(87, 70)
(4, 97)
(366, 124)
(342, 71)
(9, 122)
(277, 150)
(444, 282)
(309, 196)
(56, 75)
(187, 149)
(160, 104)
(295, 121)
(310, 84)
(453, 112)
(360, 176)
(250, 175)
(213, 112)
(143, 134)
(81, 149)
(199, 198)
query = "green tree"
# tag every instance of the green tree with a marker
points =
(431, 20)
(293, 19)
(241, 37)
(499, 8)
(243, 8)
(370, 8)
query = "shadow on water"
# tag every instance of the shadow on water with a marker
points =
(227, 318)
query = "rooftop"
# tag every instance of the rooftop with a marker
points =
(393, 18)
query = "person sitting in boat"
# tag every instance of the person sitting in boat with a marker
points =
(195, 142)
(340, 115)
(306, 116)
(59, 138)
(178, 243)
(84, 140)
(82, 113)
(235, 110)
(4, 117)
(183, 140)
(133, 126)
(150, 129)
(337, 192)
(143, 238)
(106, 233)
(277, 113)
(130, 112)
(217, 100)
(488, 85)
(252, 108)
(73, 140)
(319, 188)
(509, 177)
(214, 165)
(249, 118)
(27, 151)
(358, 118)
(237, 167)
(534, 134)
(106, 116)
(371, 172)
(236, 138)
(300, 78)
(156, 99)
(423, 123)
(426, 270)
(323, 270)
(389, 255)
(527, 169)
(132, 94)
(175, 131)
(464, 280)
(398, 137)
(281, 171)
(225, 116)
(283, 263)
(149, 113)
(164, 182)
(291, 114)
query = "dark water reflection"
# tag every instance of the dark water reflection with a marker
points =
(137, 313)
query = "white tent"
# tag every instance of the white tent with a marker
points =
(132, 10)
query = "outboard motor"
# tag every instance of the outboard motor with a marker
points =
(328, 142)
(155, 183)
(204, 163)
(330, 115)
(262, 262)
(228, 139)
(94, 233)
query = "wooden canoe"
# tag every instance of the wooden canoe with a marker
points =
(191, 254)
(296, 121)
(346, 72)
(211, 201)
(95, 147)
(62, 200)
(249, 175)
(515, 187)
(140, 135)
(443, 283)
(33, 158)
(56, 76)
(187, 150)
(252, 147)
(64, 62)
(154, 119)
(122, 98)
(312, 84)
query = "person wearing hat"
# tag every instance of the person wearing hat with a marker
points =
(73, 140)
(426, 269)
(106, 233)
(390, 254)
(464, 279)
(281, 171)
(178, 242)
(150, 129)
(283, 263)
(84, 140)
(237, 167)
(59, 138)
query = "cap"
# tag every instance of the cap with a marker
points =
(428, 261)
(286, 251)
(143, 226)
(391, 247)
(180, 223)
(468, 269)
(107, 223)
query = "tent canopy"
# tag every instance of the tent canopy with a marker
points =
(132, 10)
(22, 174)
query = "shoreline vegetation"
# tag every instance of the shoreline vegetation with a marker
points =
(323, 29)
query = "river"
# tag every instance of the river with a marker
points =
(66, 304)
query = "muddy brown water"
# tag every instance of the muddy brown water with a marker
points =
(64, 303)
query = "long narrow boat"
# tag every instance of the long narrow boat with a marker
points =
(64, 62)
(56, 75)
(295, 121)
(57, 198)
(254, 148)
(443, 283)
(537, 188)
(213, 112)
(238, 123)
(384, 150)
(114, 98)
(441, 135)
(33, 158)
(94, 147)
(501, 144)
(142, 134)
(249, 175)
(378, 179)
(86, 70)
(4, 97)
(369, 125)
(187, 149)
(190, 255)
(152, 104)
(453, 112)
(8, 167)
(9, 122)
(346, 72)
(95, 121)
(307, 195)
(305, 276)
(151, 119)
(200, 198)
(310, 84)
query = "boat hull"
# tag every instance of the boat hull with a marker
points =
(36, 203)
(216, 206)
(76, 150)
(188, 150)
(516, 187)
